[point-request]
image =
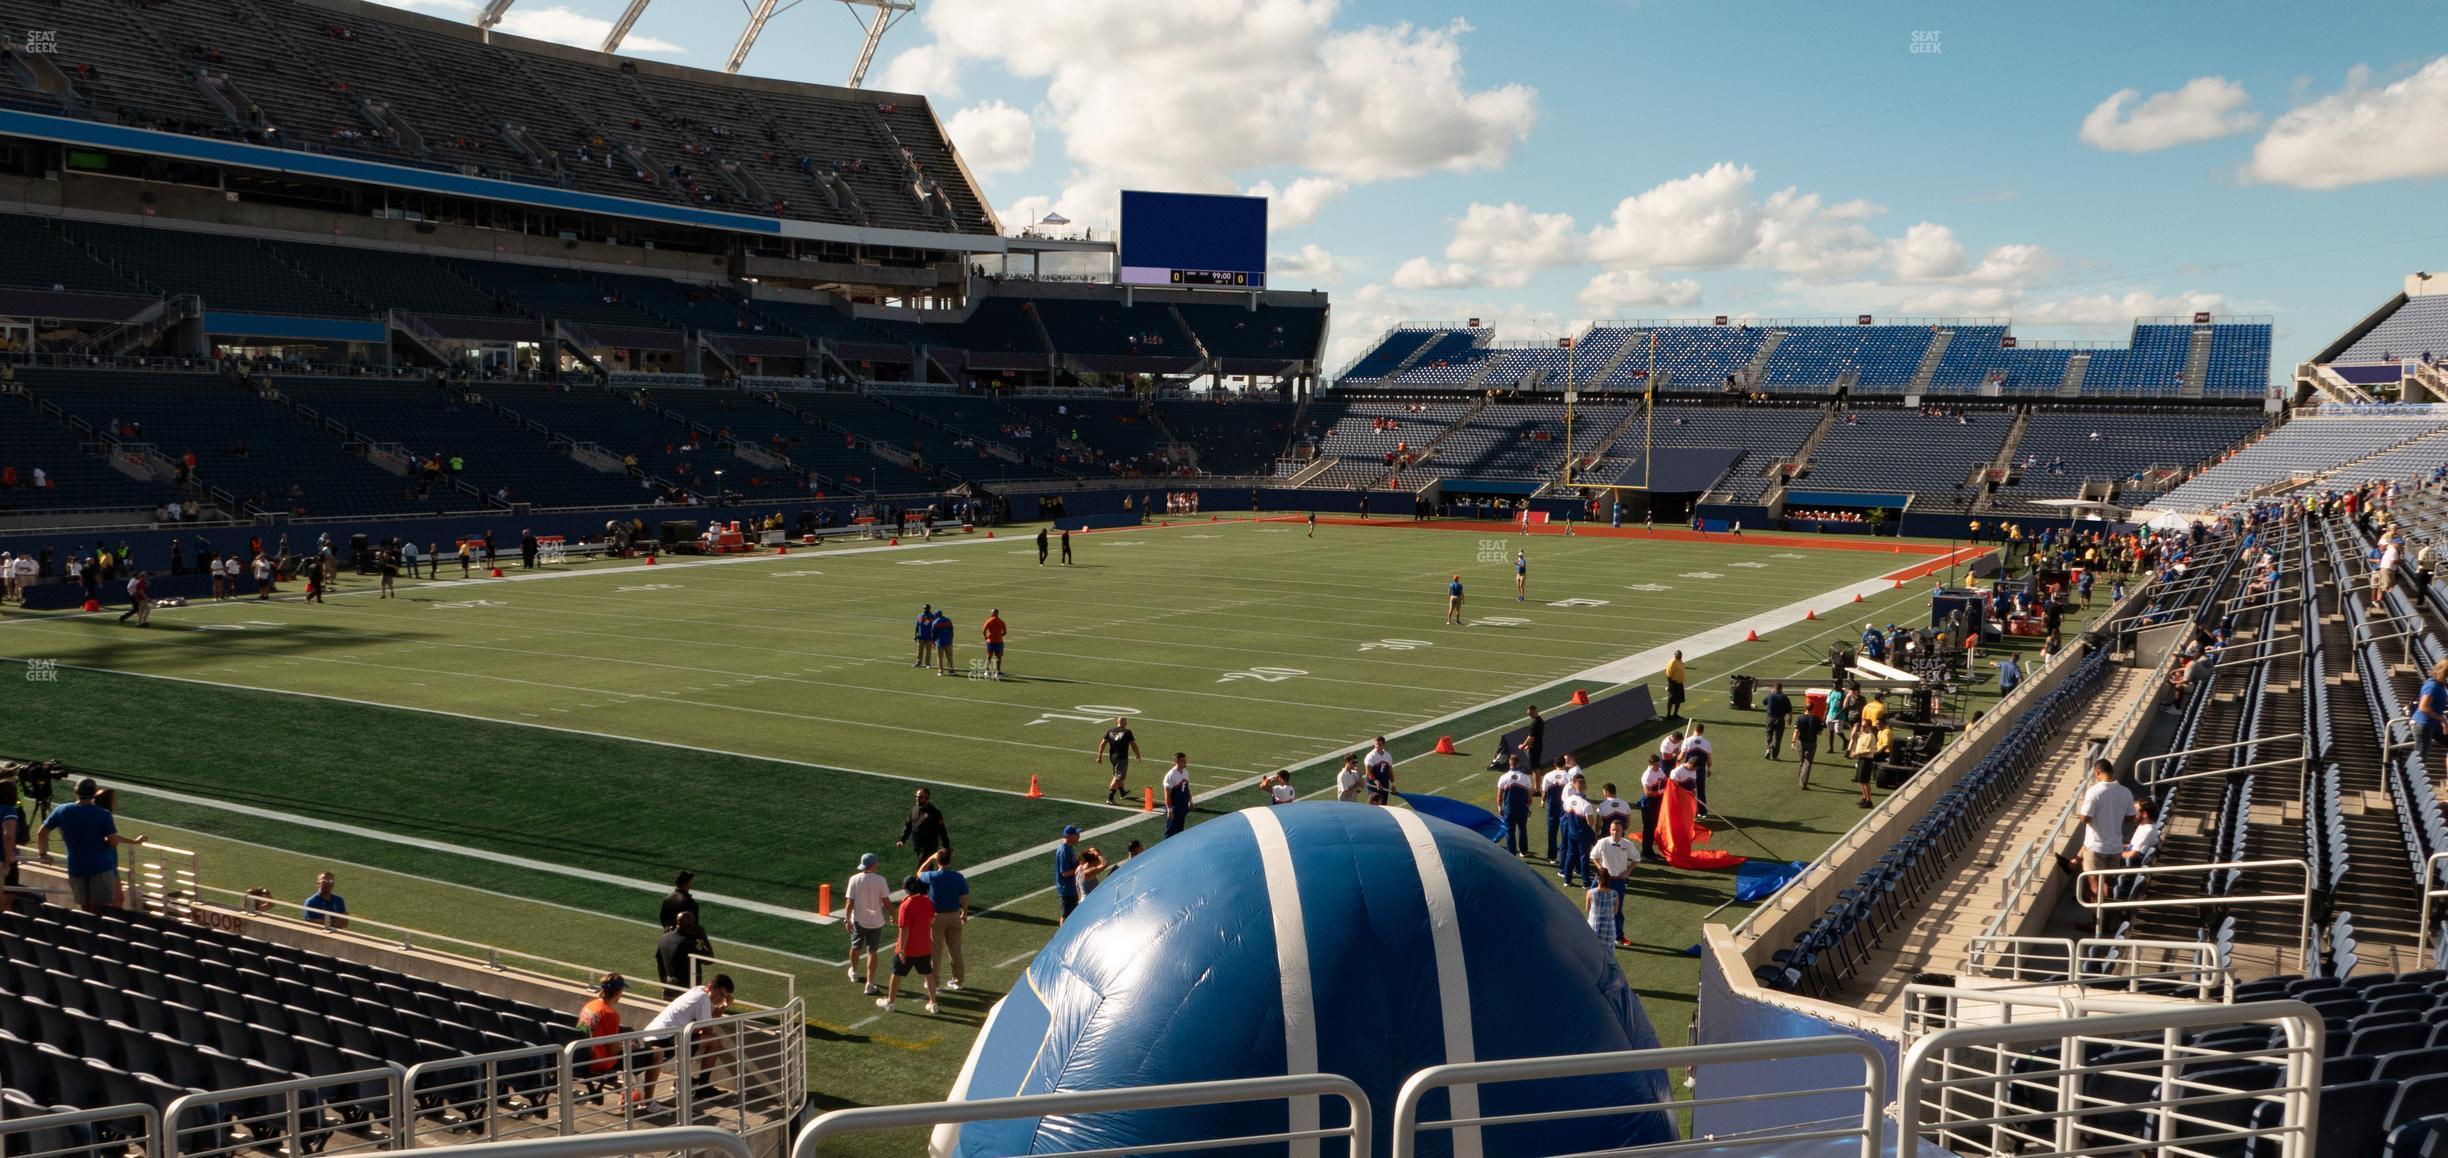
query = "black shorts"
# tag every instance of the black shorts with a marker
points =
(923, 965)
(1865, 768)
(1121, 770)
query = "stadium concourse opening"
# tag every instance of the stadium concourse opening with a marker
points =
(598, 606)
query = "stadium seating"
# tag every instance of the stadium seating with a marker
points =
(1884, 357)
(2309, 445)
(1236, 438)
(256, 449)
(2152, 365)
(1387, 354)
(1894, 451)
(1973, 353)
(1764, 433)
(2140, 450)
(228, 273)
(1687, 357)
(97, 1011)
(600, 124)
(430, 421)
(75, 478)
(2412, 330)
(41, 257)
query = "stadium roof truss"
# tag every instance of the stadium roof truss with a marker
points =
(887, 14)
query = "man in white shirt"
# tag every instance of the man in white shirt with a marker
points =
(1551, 793)
(1348, 781)
(1279, 788)
(1513, 792)
(1378, 770)
(867, 895)
(1577, 831)
(2145, 838)
(1614, 854)
(1698, 743)
(1609, 808)
(699, 1003)
(2105, 805)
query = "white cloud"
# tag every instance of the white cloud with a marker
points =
(923, 70)
(993, 138)
(2206, 108)
(1616, 289)
(1702, 221)
(1185, 95)
(557, 23)
(1299, 203)
(1927, 250)
(2360, 134)
(1310, 263)
(1711, 220)
(1421, 273)
(1511, 242)
(2115, 310)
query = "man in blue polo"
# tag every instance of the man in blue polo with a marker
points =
(1066, 869)
(326, 907)
(943, 644)
(949, 890)
(92, 837)
(926, 636)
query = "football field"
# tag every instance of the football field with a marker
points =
(528, 760)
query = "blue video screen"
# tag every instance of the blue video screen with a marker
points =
(1193, 240)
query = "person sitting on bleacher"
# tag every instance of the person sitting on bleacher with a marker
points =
(601, 1017)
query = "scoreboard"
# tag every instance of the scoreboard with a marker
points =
(1196, 240)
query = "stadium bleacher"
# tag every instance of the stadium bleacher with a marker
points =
(2142, 451)
(2308, 445)
(2416, 328)
(1906, 451)
(603, 124)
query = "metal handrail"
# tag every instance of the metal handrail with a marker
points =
(491, 958)
(17, 1126)
(2304, 898)
(2278, 762)
(1072, 1103)
(2432, 891)
(703, 965)
(665, 1140)
(293, 1112)
(1459, 1076)
(2164, 757)
(1914, 1092)
(2075, 952)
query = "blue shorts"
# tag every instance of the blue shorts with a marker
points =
(994, 649)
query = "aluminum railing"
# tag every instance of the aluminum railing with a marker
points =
(2143, 767)
(110, 1130)
(334, 1114)
(2435, 889)
(679, 1140)
(1302, 1137)
(239, 907)
(1461, 1082)
(2306, 950)
(2101, 962)
(2055, 1090)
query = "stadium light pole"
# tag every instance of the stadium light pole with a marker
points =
(492, 15)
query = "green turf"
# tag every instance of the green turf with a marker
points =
(631, 722)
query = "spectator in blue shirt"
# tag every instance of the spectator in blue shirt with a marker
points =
(326, 907)
(2431, 711)
(1066, 869)
(949, 890)
(92, 839)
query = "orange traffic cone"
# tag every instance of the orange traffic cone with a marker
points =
(1899, 585)
(824, 900)
(1148, 803)
(93, 605)
(497, 573)
(784, 549)
(1580, 697)
(1211, 518)
(895, 541)
(650, 560)
(1034, 792)
(1811, 614)
(1857, 598)
(1445, 746)
(1750, 637)
(990, 534)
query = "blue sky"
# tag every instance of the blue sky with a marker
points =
(1538, 165)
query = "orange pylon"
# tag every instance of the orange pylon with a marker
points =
(782, 549)
(497, 573)
(650, 560)
(1147, 803)
(1857, 598)
(1034, 792)
(1445, 746)
(1812, 614)
(1580, 697)
(824, 900)
(895, 541)
(1750, 637)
